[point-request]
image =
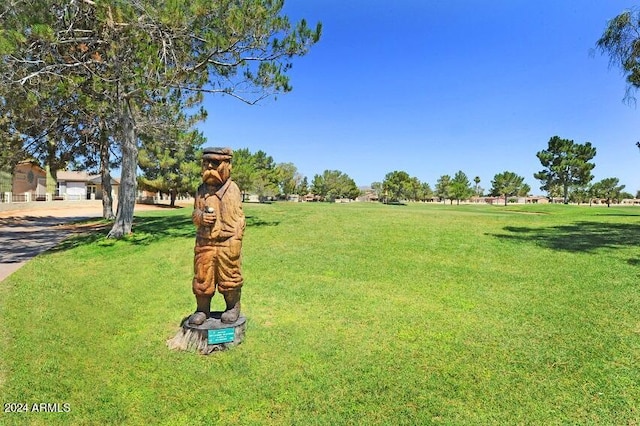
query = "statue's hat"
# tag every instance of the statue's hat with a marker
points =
(216, 153)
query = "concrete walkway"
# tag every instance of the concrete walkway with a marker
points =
(28, 229)
(24, 237)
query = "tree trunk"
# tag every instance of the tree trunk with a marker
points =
(127, 194)
(173, 193)
(50, 182)
(505, 199)
(51, 169)
(105, 176)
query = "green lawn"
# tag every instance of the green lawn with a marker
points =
(357, 314)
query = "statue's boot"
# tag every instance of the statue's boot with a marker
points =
(202, 310)
(231, 314)
(197, 318)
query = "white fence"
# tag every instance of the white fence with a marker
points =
(27, 197)
(8, 197)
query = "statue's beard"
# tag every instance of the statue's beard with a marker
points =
(211, 177)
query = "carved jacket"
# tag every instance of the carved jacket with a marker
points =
(226, 202)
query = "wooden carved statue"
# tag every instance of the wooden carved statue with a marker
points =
(220, 224)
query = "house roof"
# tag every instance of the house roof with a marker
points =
(31, 161)
(71, 176)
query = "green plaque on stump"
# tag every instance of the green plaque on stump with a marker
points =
(221, 335)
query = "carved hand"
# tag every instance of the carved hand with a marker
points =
(209, 218)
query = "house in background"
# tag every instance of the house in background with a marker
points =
(72, 185)
(96, 183)
(368, 195)
(30, 184)
(29, 180)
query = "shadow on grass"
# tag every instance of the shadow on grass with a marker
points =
(586, 237)
(22, 238)
(164, 206)
(620, 215)
(255, 221)
(146, 229)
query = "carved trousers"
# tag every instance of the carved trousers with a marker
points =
(217, 266)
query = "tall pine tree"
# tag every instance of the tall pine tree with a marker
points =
(566, 165)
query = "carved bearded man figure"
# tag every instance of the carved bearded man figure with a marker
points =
(220, 224)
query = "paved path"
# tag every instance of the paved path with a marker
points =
(24, 237)
(28, 229)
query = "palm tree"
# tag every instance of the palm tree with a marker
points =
(477, 190)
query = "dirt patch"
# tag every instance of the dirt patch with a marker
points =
(17, 211)
(85, 227)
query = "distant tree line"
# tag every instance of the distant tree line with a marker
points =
(171, 165)
(566, 175)
(257, 173)
(399, 186)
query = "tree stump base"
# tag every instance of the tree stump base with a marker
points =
(211, 336)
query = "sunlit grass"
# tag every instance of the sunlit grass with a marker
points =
(357, 314)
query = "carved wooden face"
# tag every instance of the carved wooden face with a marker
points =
(215, 172)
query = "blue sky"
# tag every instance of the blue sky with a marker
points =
(436, 86)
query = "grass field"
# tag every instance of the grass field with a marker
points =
(357, 314)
